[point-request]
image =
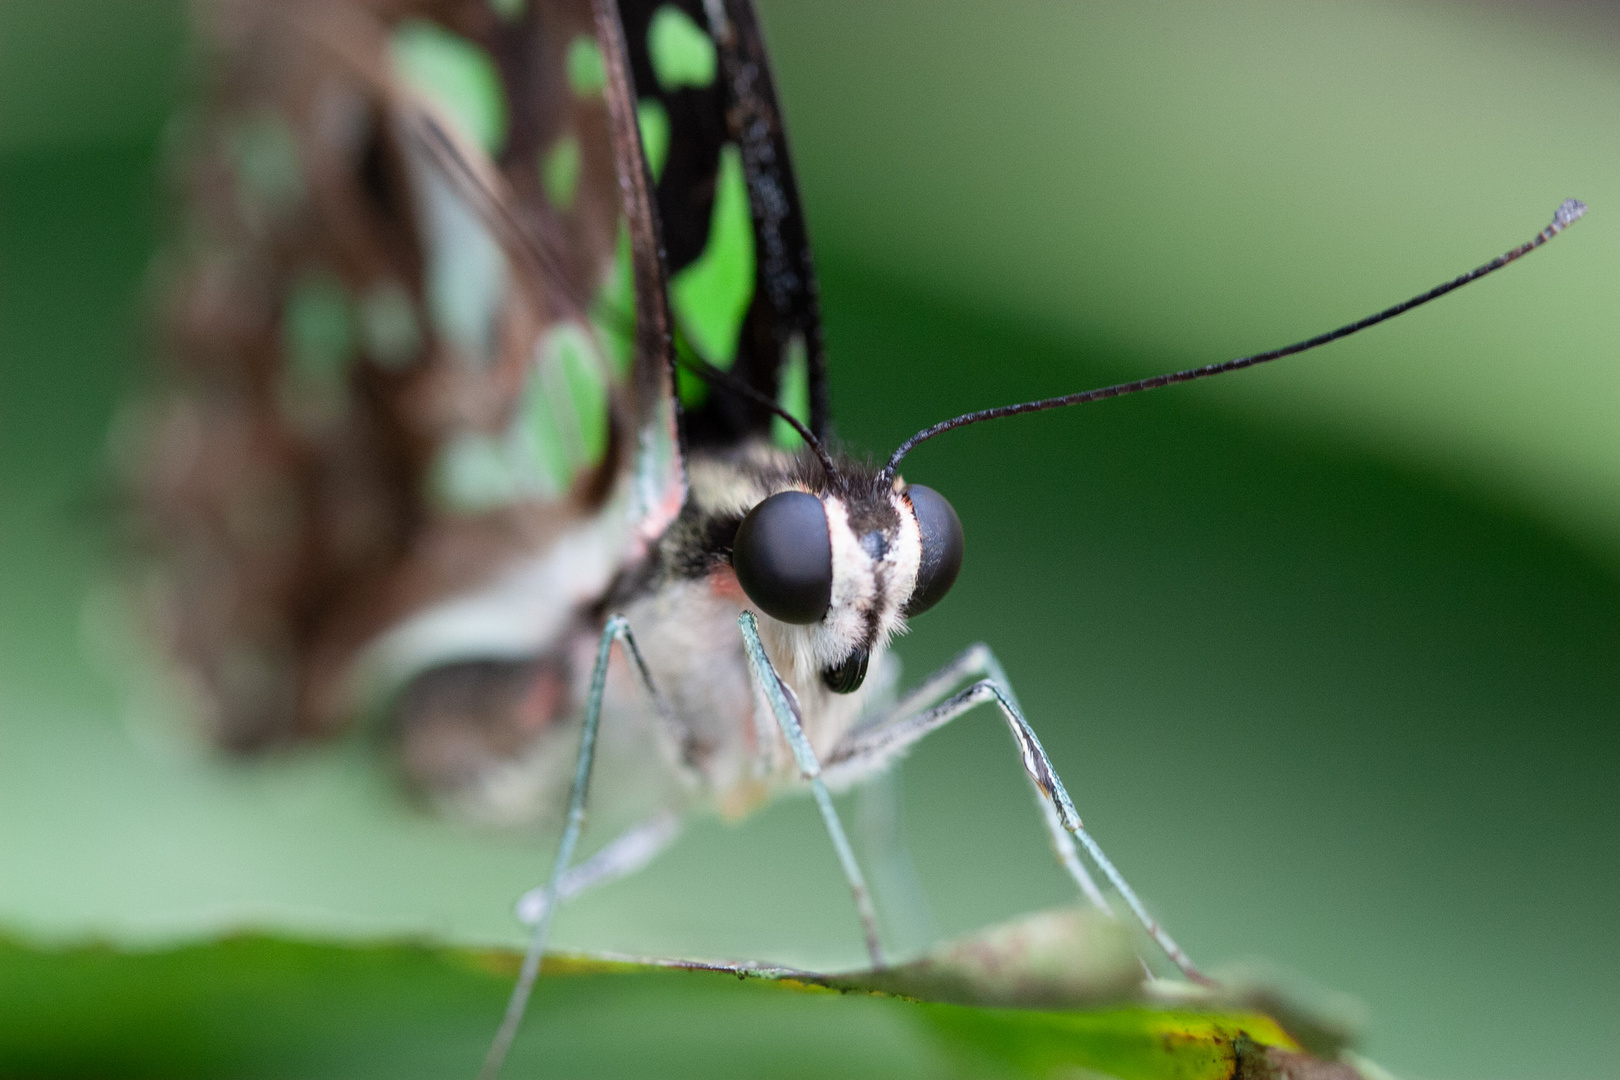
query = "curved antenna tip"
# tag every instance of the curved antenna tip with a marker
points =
(1568, 213)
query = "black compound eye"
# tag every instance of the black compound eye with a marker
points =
(783, 557)
(847, 677)
(941, 548)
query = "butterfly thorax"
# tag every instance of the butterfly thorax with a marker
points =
(718, 746)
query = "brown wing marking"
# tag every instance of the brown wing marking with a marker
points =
(294, 502)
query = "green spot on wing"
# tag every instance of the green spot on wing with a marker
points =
(510, 10)
(317, 329)
(613, 312)
(455, 75)
(711, 296)
(793, 394)
(466, 271)
(692, 390)
(559, 171)
(575, 356)
(471, 475)
(264, 153)
(389, 326)
(653, 120)
(587, 74)
(682, 54)
(560, 428)
(537, 439)
(562, 425)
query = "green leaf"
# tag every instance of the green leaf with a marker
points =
(258, 1006)
(1130, 1044)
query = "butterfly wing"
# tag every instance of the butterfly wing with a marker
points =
(401, 423)
(742, 284)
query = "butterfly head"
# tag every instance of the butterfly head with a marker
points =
(848, 564)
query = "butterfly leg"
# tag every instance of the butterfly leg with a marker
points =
(857, 755)
(786, 710)
(873, 745)
(624, 855)
(905, 916)
(617, 629)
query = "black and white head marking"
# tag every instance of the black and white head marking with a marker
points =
(834, 565)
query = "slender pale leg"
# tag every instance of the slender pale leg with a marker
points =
(868, 744)
(624, 855)
(904, 914)
(871, 745)
(617, 629)
(786, 708)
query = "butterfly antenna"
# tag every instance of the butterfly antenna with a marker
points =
(1567, 214)
(726, 380)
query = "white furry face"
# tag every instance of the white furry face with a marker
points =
(876, 556)
(873, 576)
(874, 572)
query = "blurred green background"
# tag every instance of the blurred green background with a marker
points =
(1326, 651)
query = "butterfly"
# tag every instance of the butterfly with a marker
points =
(495, 417)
